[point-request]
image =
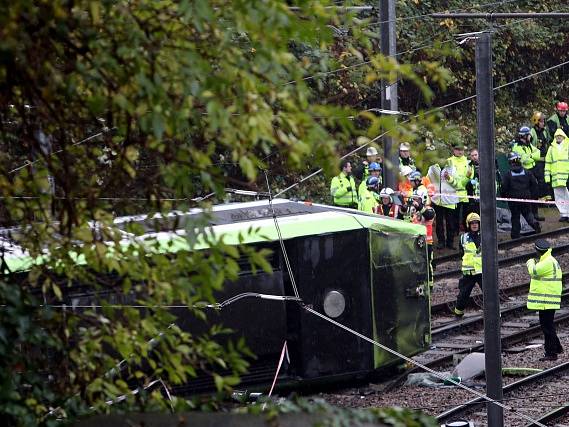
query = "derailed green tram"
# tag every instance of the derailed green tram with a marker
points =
(367, 272)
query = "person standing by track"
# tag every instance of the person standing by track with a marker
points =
(545, 295)
(557, 172)
(518, 183)
(471, 251)
(529, 155)
(343, 187)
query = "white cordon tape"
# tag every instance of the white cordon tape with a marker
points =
(502, 199)
(283, 353)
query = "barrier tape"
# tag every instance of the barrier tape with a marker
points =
(500, 199)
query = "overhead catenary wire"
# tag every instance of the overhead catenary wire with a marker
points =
(431, 111)
(429, 15)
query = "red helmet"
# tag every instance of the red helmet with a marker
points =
(561, 106)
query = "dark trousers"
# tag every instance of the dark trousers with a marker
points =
(535, 194)
(461, 213)
(552, 344)
(543, 189)
(446, 220)
(465, 286)
(517, 209)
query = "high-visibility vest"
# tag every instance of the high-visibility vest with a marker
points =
(339, 190)
(363, 186)
(367, 201)
(462, 174)
(528, 153)
(557, 162)
(393, 210)
(545, 287)
(428, 223)
(472, 258)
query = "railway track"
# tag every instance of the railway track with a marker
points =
(506, 294)
(508, 244)
(505, 262)
(557, 373)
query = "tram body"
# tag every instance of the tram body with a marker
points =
(364, 271)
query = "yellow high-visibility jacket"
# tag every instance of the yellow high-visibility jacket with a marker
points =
(545, 287)
(557, 162)
(463, 173)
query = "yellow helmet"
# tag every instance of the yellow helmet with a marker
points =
(537, 116)
(473, 216)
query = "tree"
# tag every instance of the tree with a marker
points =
(142, 105)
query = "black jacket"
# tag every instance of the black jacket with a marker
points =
(519, 184)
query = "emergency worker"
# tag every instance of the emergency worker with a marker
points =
(372, 156)
(387, 206)
(343, 187)
(473, 185)
(419, 213)
(405, 158)
(529, 155)
(367, 199)
(518, 183)
(557, 172)
(541, 139)
(559, 119)
(471, 251)
(545, 295)
(404, 186)
(458, 178)
(417, 185)
(374, 169)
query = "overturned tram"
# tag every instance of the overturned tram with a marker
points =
(366, 272)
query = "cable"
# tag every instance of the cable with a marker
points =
(28, 163)
(429, 112)
(289, 269)
(428, 15)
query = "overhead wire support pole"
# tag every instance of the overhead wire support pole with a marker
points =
(489, 241)
(389, 100)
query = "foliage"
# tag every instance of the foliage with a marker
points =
(140, 105)
(334, 416)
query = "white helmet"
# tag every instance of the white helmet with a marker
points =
(387, 192)
(405, 170)
(421, 194)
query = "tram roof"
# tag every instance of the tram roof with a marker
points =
(243, 223)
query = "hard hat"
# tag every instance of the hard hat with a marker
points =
(429, 213)
(523, 131)
(542, 245)
(514, 157)
(374, 166)
(372, 181)
(472, 217)
(387, 192)
(415, 176)
(420, 194)
(537, 116)
(405, 170)
(561, 106)
(371, 151)
(458, 145)
(404, 147)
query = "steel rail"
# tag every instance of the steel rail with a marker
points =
(468, 406)
(479, 319)
(507, 292)
(505, 262)
(507, 340)
(551, 416)
(507, 244)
